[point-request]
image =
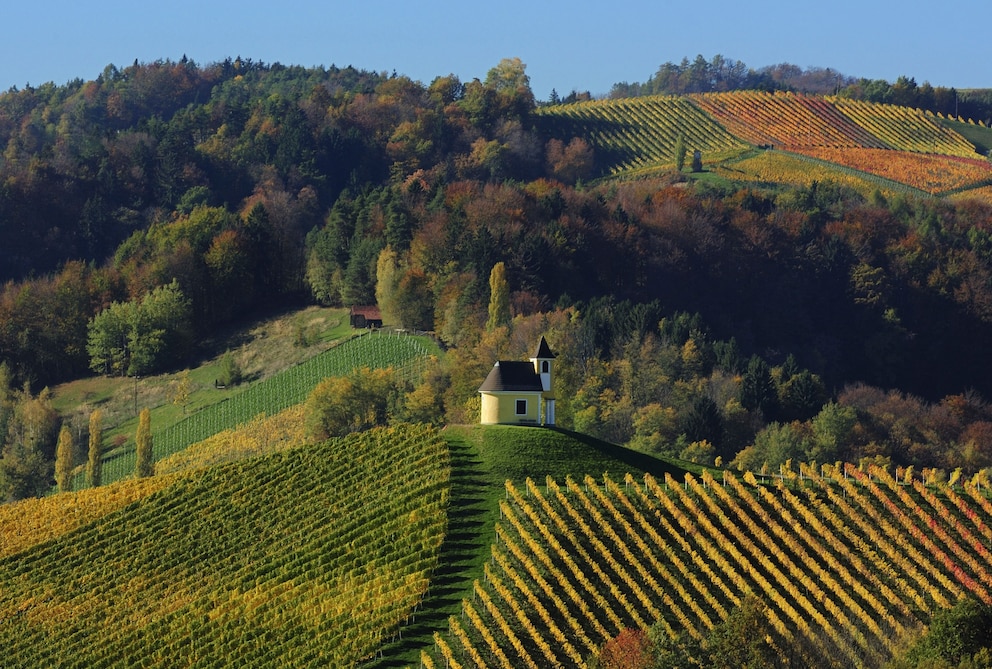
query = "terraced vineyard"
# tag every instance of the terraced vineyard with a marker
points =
(375, 350)
(846, 560)
(304, 558)
(637, 133)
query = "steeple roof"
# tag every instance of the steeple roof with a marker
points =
(543, 350)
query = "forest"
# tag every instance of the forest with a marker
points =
(146, 209)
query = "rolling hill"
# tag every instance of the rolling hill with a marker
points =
(233, 560)
(471, 546)
(295, 559)
(873, 146)
(412, 546)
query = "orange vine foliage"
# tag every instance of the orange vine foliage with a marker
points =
(931, 173)
(631, 649)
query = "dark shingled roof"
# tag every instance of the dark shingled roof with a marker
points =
(543, 350)
(512, 376)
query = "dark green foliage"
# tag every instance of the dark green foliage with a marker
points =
(697, 161)
(757, 388)
(702, 422)
(958, 637)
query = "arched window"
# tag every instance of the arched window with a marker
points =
(545, 367)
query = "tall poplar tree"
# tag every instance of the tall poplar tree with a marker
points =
(65, 453)
(499, 297)
(387, 278)
(94, 465)
(144, 466)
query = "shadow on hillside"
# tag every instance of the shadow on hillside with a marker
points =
(635, 460)
(466, 540)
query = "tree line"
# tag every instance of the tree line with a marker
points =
(726, 74)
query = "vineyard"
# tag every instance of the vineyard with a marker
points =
(406, 353)
(925, 152)
(784, 120)
(904, 128)
(933, 174)
(782, 167)
(309, 557)
(848, 561)
(259, 436)
(33, 521)
(635, 133)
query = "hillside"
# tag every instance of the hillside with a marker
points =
(304, 557)
(924, 152)
(848, 563)
(156, 533)
(271, 395)
(814, 286)
(524, 571)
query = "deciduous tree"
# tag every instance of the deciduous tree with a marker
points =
(26, 465)
(363, 399)
(180, 389)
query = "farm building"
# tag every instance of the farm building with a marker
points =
(366, 317)
(520, 392)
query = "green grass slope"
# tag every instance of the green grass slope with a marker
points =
(305, 558)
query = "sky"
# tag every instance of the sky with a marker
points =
(565, 45)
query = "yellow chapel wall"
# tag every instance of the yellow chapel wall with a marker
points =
(501, 408)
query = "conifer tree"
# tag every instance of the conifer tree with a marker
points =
(499, 297)
(64, 456)
(143, 440)
(94, 465)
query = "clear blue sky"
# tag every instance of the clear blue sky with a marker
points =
(573, 44)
